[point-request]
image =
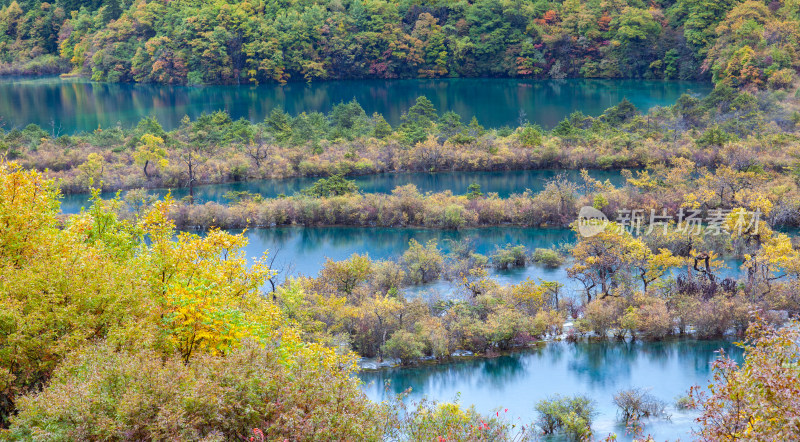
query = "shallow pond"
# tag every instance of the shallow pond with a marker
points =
(597, 369)
(304, 250)
(504, 183)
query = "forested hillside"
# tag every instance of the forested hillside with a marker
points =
(751, 43)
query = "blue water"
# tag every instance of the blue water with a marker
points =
(71, 105)
(504, 183)
(598, 370)
(303, 250)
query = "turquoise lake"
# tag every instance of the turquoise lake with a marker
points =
(597, 369)
(504, 183)
(303, 250)
(65, 106)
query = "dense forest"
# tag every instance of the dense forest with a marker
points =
(751, 43)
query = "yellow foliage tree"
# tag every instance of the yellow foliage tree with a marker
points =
(61, 285)
(151, 150)
(206, 286)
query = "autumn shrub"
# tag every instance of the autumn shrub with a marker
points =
(757, 400)
(387, 276)
(529, 136)
(602, 315)
(582, 327)
(424, 263)
(468, 333)
(683, 402)
(547, 257)
(401, 208)
(102, 393)
(722, 314)
(506, 328)
(629, 323)
(334, 186)
(46, 64)
(635, 403)
(549, 322)
(655, 321)
(509, 256)
(360, 303)
(234, 196)
(556, 204)
(453, 217)
(438, 340)
(62, 283)
(682, 309)
(404, 346)
(345, 276)
(440, 421)
(569, 415)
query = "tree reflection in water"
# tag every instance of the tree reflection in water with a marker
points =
(596, 369)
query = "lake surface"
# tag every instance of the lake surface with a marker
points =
(66, 106)
(503, 183)
(303, 250)
(597, 369)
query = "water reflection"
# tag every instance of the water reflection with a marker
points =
(598, 370)
(602, 363)
(503, 183)
(72, 105)
(308, 248)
